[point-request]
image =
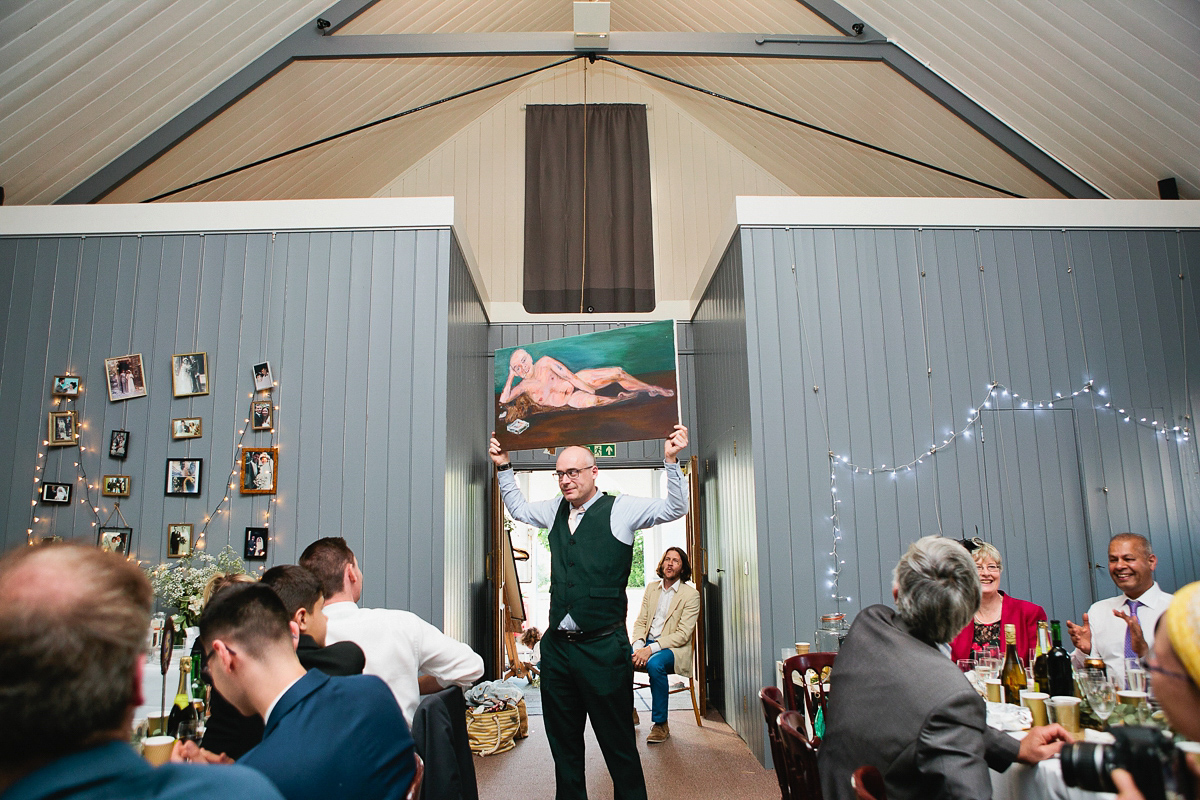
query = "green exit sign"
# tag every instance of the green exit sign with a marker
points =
(603, 450)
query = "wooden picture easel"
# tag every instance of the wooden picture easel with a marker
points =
(512, 608)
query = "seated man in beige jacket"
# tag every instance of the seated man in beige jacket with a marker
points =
(662, 634)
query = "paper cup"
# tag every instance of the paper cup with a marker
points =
(994, 691)
(1065, 711)
(157, 749)
(1131, 698)
(1036, 703)
(802, 648)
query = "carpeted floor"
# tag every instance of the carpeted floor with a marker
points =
(699, 763)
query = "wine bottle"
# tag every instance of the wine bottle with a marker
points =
(182, 708)
(1040, 676)
(199, 688)
(1058, 664)
(1012, 676)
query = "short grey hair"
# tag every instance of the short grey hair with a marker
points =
(937, 587)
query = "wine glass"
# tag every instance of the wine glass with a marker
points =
(190, 731)
(1102, 696)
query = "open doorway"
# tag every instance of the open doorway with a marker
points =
(532, 564)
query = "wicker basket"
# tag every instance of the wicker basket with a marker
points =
(493, 731)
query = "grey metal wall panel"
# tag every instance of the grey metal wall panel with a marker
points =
(354, 325)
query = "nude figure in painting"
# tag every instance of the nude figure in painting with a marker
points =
(547, 382)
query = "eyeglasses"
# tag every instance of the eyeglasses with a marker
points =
(569, 473)
(1155, 668)
(996, 568)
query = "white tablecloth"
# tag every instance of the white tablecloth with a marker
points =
(152, 683)
(1042, 781)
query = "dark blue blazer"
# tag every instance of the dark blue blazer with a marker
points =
(336, 737)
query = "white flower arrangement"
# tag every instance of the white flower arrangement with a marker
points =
(181, 583)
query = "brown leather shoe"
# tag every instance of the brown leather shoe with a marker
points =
(636, 719)
(659, 733)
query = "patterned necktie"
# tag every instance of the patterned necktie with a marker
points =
(1133, 607)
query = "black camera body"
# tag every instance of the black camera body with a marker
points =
(1147, 753)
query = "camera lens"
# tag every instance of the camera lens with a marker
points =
(1084, 765)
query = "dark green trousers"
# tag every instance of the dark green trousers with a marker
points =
(591, 680)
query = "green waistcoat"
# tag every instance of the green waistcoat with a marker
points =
(588, 569)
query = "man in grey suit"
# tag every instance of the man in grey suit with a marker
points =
(897, 701)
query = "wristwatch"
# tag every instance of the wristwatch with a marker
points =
(504, 467)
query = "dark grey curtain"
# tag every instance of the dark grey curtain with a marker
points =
(588, 239)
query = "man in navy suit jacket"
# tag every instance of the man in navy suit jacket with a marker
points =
(324, 736)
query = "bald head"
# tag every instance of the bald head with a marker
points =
(73, 624)
(576, 473)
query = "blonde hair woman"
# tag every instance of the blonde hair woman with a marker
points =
(997, 609)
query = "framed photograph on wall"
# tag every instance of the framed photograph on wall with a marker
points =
(126, 377)
(186, 428)
(258, 467)
(262, 417)
(65, 386)
(115, 485)
(189, 374)
(256, 544)
(263, 380)
(183, 476)
(179, 539)
(62, 428)
(114, 539)
(118, 444)
(56, 493)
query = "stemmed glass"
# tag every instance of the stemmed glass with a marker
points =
(1102, 696)
(190, 731)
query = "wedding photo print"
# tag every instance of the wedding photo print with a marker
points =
(261, 415)
(263, 380)
(56, 493)
(258, 469)
(190, 374)
(186, 428)
(126, 378)
(115, 485)
(118, 444)
(115, 540)
(617, 385)
(256, 544)
(183, 476)
(179, 540)
(65, 386)
(63, 430)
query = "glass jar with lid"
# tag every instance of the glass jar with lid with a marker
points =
(833, 630)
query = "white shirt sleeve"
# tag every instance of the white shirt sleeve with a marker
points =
(540, 514)
(445, 658)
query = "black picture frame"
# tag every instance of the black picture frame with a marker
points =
(114, 539)
(184, 477)
(255, 548)
(118, 444)
(56, 494)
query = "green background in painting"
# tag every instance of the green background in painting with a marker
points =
(638, 349)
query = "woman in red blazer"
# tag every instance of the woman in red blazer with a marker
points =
(986, 629)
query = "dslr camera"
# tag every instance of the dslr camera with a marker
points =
(1147, 753)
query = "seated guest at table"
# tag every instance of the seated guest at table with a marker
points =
(300, 592)
(1122, 627)
(227, 732)
(324, 736)
(73, 624)
(997, 609)
(1174, 666)
(662, 634)
(898, 703)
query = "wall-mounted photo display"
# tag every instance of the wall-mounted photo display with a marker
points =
(56, 493)
(118, 444)
(63, 428)
(256, 544)
(115, 539)
(179, 539)
(186, 428)
(263, 380)
(261, 415)
(65, 386)
(126, 377)
(189, 373)
(183, 476)
(258, 469)
(115, 485)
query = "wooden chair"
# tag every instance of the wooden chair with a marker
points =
(794, 669)
(689, 687)
(772, 705)
(868, 784)
(800, 757)
(414, 788)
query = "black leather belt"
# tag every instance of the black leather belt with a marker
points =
(585, 636)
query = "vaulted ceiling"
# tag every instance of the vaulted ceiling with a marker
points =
(1109, 90)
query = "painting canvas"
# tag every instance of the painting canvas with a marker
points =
(611, 386)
